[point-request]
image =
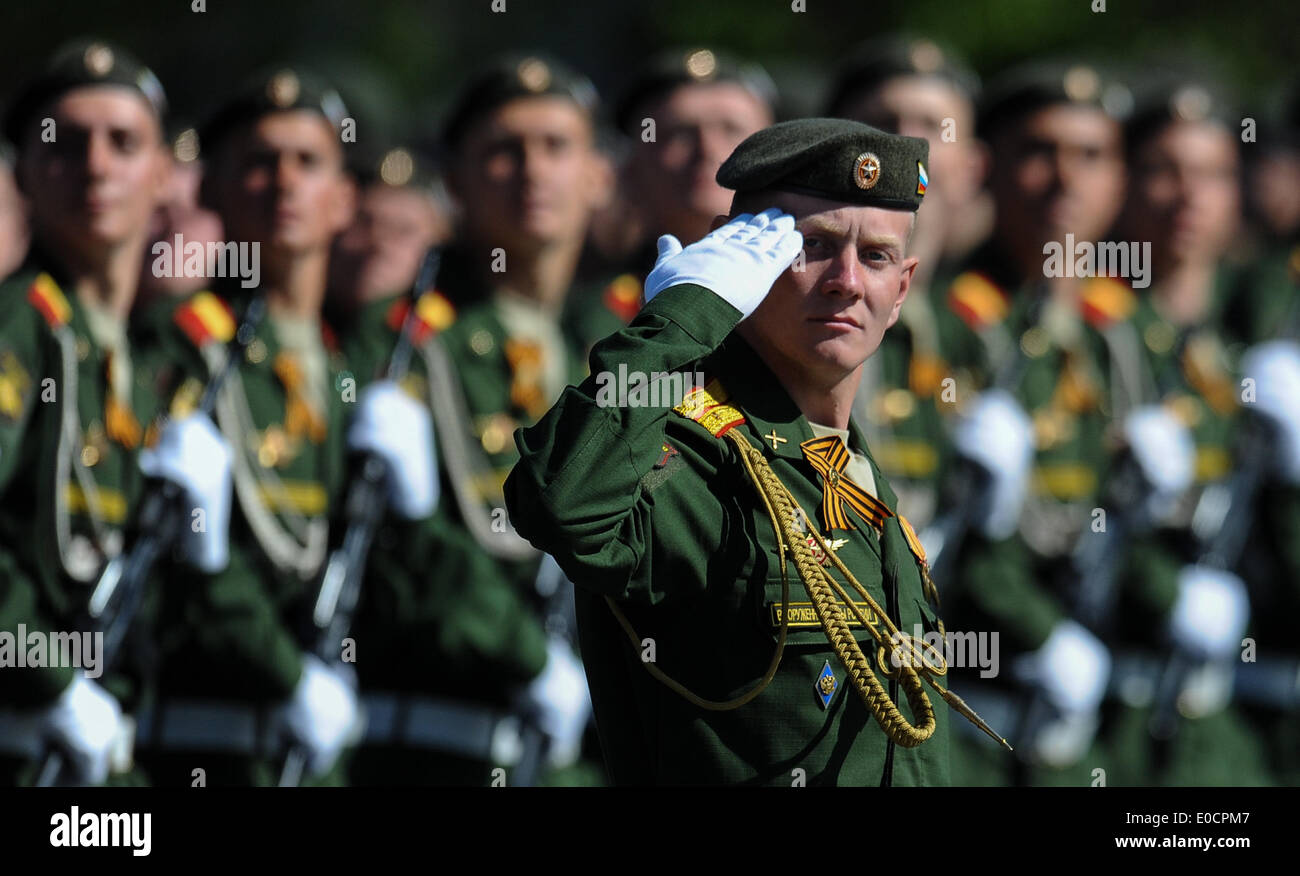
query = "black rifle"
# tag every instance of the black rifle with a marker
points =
(364, 508)
(558, 620)
(119, 591)
(1221, 523)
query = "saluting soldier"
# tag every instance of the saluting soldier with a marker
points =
(477, 646)
(911, 86)
(1026, 339)
(237, 683)
(78, 397)
(743, 574)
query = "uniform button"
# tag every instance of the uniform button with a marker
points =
(1034, 342)
(255, 353)
(89, 455)
(1159, 337)
(494, 436)
(1187, 409)
(899, 404)
(481, 342)
(83, 349)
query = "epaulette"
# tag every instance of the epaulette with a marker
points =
(623, 297)
(433, 314)
(707, 406)
(206, 319)
(45, 295)
(1106, 301)
(977, 300)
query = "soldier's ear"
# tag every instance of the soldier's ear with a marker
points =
(164, 170)
(208, 188)
(904, 284)
(344, 206)
(602, 181)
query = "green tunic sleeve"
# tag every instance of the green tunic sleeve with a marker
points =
(578, 491)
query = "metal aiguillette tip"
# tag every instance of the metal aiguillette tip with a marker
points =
(970, 715)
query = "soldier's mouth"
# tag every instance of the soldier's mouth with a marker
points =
(845, 322)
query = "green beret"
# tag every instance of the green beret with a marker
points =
(834, 159)
(512, 77)
(677, 67)
(80, 63)
(877, 61)
(1161, 105)
(405, 166)
(280, 90)
(1023, 90)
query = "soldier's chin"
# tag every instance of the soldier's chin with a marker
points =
(100, 232)
(843, 353)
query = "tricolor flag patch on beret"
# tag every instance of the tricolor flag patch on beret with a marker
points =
(921, 179)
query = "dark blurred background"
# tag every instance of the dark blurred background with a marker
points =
(415, 53)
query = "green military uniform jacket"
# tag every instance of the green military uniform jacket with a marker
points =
(436, 614)
(652, 510)
(236, 634)
(473, 631)
(69, 476)
(1015, 585)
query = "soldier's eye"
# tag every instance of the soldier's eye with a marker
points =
(124, 141)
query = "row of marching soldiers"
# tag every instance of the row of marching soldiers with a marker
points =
(1104, 468)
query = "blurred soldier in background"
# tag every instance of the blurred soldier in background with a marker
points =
(179, 214)
(402, 210)
(408, 604)
(683, 114)
(1273, 175)
(1265, 313)
(1177, 597)
(77, 397)
(1273, 191)
(479, 645)
(912, 87)
(14, 235)
(235, 682)
(1033, 389)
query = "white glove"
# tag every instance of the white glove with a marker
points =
(1166, 454)
(85, 723)
(193, 454)
(1210, 616)
(322, 713)
(738, 262)
(998, 436)
(562, 702)
(399, 430)
(1072, 668)
(1275, 367)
